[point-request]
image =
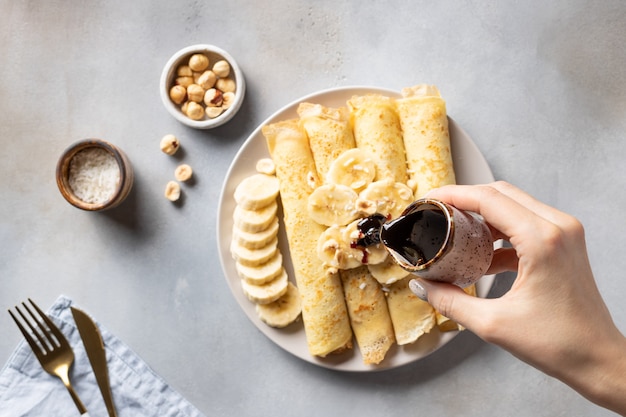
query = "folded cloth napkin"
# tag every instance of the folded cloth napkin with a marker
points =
(27, 390)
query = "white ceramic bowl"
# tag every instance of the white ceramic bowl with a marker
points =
(169, 75)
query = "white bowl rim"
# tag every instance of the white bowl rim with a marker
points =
(175, 110)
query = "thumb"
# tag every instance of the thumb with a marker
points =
(449, 300)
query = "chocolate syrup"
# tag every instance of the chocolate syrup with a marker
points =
(417, 236)
(369, 228)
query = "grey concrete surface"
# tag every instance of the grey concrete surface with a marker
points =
(539, 86)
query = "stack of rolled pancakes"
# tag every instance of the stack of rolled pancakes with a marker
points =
(409, 142)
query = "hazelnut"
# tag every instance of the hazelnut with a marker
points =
(184, 71)
(194, 110)
(198, 62)
(221, 68)
(185, 81)
(227, 85)
(213, 97)
(213, 112)
(178, 93)
(172, 191)
(227, 100)
(195, 93)
(170, 144)
(207, 80)
(183, 172)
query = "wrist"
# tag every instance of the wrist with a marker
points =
(602, 379)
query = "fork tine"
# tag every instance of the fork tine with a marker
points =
(39, 330)
(33, 345)
(52, 328)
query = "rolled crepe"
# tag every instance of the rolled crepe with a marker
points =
(377, 130)
(369, 315)
(411, 316)
(329, 133)
(324, 313)
(424, 123)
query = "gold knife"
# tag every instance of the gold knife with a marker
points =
(92, 339)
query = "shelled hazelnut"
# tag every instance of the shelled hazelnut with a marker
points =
(172, 191)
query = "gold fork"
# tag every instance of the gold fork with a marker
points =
(53, 351)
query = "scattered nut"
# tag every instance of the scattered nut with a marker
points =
(266, 166)
(195, 93)
(183, 172)
(227, 100)
(178, 94)
(207, 79)
(198, 62)
(227, 85)
(170, 144)
(221, 68)
(194, 110)
(213, 112)
(172, 191)
(213, 98)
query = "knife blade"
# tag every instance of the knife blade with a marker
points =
(92, 339)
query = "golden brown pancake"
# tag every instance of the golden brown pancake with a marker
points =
(324, 313)
(377, 130)
(369, 315)
(424, 123)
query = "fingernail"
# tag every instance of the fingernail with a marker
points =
(418, 289)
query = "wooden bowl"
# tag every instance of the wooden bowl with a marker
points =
(78, 167)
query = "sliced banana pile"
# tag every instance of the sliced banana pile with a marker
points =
(254, 247)
(351, 192)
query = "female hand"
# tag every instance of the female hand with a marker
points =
(553, 317)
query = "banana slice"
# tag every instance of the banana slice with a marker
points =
(266, 166)
(257, 191)
(268, 292)
(371, 255)
(335, 251)
(253, 257)
(261, 274)
(354, 168)
(282, 312)
(258, 239)
(332, 204)
(253, 221)
(385, 197)
(387, 272)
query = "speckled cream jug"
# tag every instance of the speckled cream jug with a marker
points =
(462, 247)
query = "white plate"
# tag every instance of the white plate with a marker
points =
(470, 168)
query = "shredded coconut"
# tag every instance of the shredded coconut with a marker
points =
(94, 175)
